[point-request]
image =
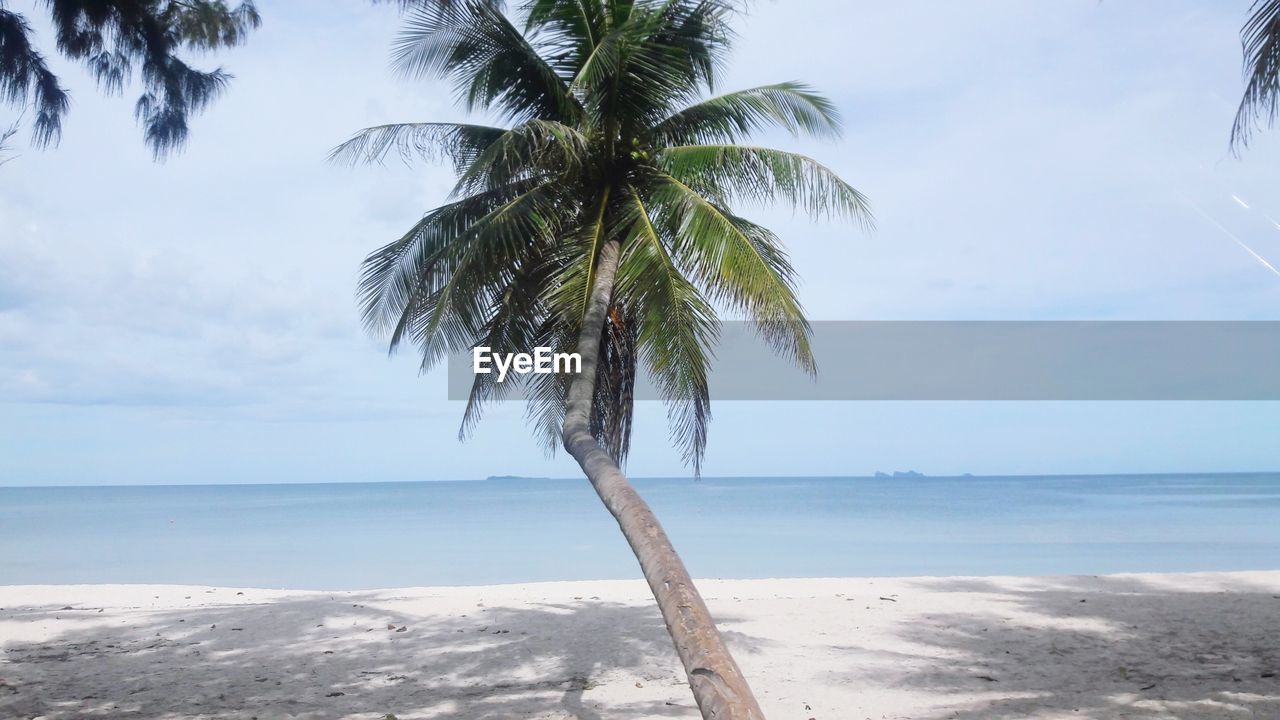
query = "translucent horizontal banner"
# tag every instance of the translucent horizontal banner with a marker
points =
(996, 360)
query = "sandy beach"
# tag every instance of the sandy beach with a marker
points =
(1121, 646)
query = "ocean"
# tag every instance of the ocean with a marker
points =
(367, 535)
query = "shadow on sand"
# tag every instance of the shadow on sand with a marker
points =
(1105, 648)
(345, 656)
(1101, 648)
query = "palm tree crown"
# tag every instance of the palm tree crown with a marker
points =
(612, 132)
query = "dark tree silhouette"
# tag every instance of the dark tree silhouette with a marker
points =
(112, 38)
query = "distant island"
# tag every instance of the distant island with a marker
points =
(514, 477)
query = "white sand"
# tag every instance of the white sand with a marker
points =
(1132, 646)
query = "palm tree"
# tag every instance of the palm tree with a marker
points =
(1260, 42)
(597, 218)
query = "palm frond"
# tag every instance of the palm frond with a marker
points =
(516, 316)
(450, 318)
(1260, 41)
(492, 65)
(764, 175)
(458, 142)
(567, 31)
(545, 394)
(676, 327)
(736, 262)
(736, 116)
(392, 274)
(533, 149)
(435, 282)
(595, 232)
(674, 53)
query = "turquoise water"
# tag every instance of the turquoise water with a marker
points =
(352, 536)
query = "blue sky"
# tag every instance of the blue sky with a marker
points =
(194, 321)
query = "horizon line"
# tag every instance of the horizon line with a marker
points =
(499, 478)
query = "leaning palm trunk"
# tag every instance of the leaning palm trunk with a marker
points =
(605, 95)
(718, 686)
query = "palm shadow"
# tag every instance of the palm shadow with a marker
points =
(346, 655)
(1100, 647)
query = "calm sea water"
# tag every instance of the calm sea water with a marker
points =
(352, 536)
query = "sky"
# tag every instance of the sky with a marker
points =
(194, 321)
